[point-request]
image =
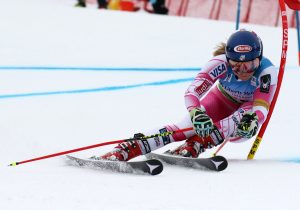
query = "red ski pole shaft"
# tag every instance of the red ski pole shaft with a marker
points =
(96, 145)
(66, 152)
(222, 145)
(225, 142)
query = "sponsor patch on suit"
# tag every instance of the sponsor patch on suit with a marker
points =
(265, 83)
(217, 71)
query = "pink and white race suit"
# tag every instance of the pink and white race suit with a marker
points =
(224, 97)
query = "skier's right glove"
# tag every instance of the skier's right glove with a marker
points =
(248, 125)
(202, 123)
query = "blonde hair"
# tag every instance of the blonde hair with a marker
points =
(219, 49)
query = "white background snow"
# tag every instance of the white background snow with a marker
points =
(38, 116)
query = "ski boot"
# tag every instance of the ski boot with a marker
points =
(128, 150)
(123, 152)
(194, 146)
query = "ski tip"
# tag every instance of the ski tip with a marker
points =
(155, 166)
(220, 163)
(69, 157)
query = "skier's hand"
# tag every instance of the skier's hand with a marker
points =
(202, 123)
(248, 126)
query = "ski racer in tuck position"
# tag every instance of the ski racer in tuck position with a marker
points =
(229, 97)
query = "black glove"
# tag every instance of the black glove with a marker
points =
(248, 126)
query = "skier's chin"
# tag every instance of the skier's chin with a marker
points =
(244, 76)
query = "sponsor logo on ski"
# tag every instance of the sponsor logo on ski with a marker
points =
(152, 167)
(217, 163)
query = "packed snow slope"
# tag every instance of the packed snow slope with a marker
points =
(73, 77)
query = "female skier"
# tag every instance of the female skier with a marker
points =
(230, 97)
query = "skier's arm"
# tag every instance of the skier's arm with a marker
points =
(213, 70)
(264, 94)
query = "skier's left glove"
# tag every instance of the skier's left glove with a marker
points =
(248, 126)
(202, 123)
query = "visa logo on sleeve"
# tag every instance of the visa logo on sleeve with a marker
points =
(220, 69)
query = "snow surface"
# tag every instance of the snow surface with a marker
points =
(56, 95)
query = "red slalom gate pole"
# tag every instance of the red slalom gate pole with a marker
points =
(259, 137)
(97, 145)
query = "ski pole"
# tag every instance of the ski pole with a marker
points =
(220, 147)
(225, 142)
(99, 145)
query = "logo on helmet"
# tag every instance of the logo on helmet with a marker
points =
(242, 48)
(242, 57)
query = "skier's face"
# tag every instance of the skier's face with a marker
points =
(244, 70)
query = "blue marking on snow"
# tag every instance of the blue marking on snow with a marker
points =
(70, 68)
(101, 89)
(293, 160)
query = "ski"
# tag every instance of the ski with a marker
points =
(216, 163)
(151, 166)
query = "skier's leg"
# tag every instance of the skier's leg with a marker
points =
(193, 146)
(218, 107)
(128, 150)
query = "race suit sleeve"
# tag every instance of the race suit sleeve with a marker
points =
(264, 93)
(208, 75)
